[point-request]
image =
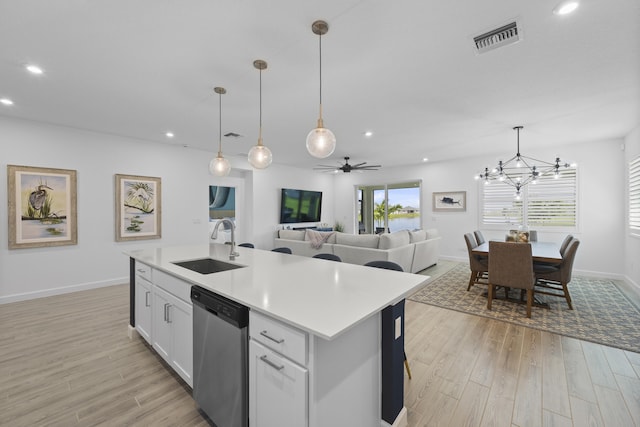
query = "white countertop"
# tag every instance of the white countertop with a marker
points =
(322, 297)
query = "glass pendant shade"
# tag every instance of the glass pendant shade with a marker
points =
(321, 142)
(260, 156)
(219, 166)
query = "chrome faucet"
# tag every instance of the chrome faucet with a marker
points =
(232, 253)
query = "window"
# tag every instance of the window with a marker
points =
(634, 195)
(389, 207)
(552, 202)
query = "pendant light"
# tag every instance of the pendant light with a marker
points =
(321, 141)
(260, 156)
(220, 166)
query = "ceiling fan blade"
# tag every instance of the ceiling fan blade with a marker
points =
(370, 167)
(357, 165)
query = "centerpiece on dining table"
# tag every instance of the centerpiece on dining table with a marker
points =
(521, 235)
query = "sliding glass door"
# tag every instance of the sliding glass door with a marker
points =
(389, 207)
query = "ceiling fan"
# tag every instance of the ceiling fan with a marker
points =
(347, 167)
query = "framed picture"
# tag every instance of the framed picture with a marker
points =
(452, 201)
(138, 208)
(42, 207)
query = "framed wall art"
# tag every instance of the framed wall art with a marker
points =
(138, 208)
(452, 201)
(42, 207)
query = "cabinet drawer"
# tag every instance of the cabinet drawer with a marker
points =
(173, 285)
(143, 270)
(278, 390)
(286, 340)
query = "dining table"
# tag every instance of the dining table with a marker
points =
(547, 252)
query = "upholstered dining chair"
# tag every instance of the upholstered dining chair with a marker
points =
(565, 243)
(511, 266)
(554, 279)
(330, 257)
(282, 250)
(390, 265)
(247, 245)
(479, 237)
(479, 265)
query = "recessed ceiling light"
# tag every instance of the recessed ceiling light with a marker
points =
(565, 7)
(169, 135)
(424, 159)
(6, 101)
(368, 134)
(34, 69)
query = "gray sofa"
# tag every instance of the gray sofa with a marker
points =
(413, 250)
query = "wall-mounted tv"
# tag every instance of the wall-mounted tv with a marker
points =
(300, 206)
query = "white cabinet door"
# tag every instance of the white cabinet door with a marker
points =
(173, 332)
(180, 316)
(278, 392)
(162, 334)
(143, 308)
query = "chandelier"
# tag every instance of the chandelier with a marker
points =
(521, 170)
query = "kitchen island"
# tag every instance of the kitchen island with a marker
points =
(337, 309)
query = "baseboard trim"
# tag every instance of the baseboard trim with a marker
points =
(62, 290)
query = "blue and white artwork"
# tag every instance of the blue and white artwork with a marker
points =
(222, 203)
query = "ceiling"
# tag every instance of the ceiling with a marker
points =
(405, 70)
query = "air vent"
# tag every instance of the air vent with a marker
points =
(232, 135)
(507, 34)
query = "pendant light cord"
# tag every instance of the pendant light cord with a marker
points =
(220, 124)
(260, 130)
(320, 50)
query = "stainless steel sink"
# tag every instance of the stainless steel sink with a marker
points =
(207, 265)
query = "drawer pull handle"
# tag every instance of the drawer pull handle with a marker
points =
(166, 312)
(275, 340)
(142, 270)
(270, 363)
(146, 299)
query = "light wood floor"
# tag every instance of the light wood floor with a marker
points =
(66, 361)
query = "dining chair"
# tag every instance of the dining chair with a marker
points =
(479, 265)
(479, 237)
(554, 279)
(511, 266)
(328, 256)
(565, 243)
(247, 245)
(390, 265)
(282, 250)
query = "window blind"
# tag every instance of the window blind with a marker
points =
(634, 194)
(551, 202)
(500, 206)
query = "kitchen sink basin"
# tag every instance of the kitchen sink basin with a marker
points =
(207, 265)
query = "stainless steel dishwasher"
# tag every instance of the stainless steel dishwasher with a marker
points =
(220, 358)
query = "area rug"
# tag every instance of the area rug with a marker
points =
(601, 314)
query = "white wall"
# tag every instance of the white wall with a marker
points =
(266, 198)
(632, 243)
(601, 202)
(97, 260)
